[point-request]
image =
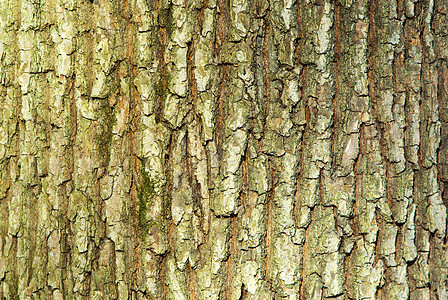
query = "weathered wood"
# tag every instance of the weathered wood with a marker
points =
(214, 149)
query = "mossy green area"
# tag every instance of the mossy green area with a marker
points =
(160, 91)
(145, 194)
(14, 288)
(103, 137)
(166, 20)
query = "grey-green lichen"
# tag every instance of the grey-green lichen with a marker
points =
(145, 194)
(106, 120)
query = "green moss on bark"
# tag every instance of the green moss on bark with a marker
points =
(166, 20)
(146, 193)
(103, 137)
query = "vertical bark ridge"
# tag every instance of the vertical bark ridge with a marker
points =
(351, 107)
(9, 121)
(33, 145)
(318, 54)
(10, 107)
(363, 270)
(429, 206)
(388, 111)
(435, 209)
(280, 143)
(440, 257)
(58, 184)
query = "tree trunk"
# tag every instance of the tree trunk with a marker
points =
(223, 149)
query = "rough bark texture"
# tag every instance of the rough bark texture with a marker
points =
(223, 149)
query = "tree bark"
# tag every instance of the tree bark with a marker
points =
(214, 149)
